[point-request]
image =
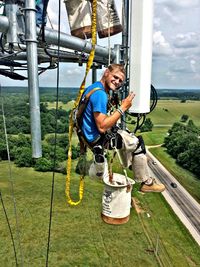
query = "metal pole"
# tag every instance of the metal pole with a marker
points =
(125, 51)
(67, 41)
(94, 74)
(75, 43)
(4, 24)
(33, 82)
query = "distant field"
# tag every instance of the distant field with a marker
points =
(169, 111)
(67, 106)
(79, 237)
(165, 114)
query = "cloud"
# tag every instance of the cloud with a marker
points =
(193, 65)
(156, 22)
(167, 11)
(174, 5)
(160, 46)
(188, 40)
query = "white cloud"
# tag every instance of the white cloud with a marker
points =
(161, 46)
(156, 22)
(193, 65)
(179, 3)
(188, 40)
(167, 11)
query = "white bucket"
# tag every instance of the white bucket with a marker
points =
(116, 199)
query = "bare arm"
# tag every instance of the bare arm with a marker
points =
(105, 122)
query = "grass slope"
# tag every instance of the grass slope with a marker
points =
(78, 236)
(175, 109)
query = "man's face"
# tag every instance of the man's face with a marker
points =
(114, 79)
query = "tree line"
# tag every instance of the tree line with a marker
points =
(183, 144)
(179, 94)
(18, 117)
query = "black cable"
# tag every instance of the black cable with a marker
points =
(154, 98)
(10, 63)
(139, 116)
(22, 49)
(42, 69)
(138, 124)
(2, 46)
(12, 75)
(10, 230)
(56, 125)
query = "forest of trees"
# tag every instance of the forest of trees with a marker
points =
(18, 129)
(183, 144)
(179, 94)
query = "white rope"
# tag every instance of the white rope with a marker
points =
(109, 47)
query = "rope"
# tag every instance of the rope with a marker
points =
(109, 47)
(11, 180)
(55, 146)
(71, 123)
(10, 230)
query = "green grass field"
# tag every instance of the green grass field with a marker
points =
(79, 237)
(175, 109)
(67, 106)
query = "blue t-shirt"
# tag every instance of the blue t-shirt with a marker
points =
(97, 103)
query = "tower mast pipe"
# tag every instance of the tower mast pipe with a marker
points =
(66, 41)
(33, 81)
(75, 43)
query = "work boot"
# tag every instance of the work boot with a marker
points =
(153, 187)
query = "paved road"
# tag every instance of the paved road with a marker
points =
(186, 208)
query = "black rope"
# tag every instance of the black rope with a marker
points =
(11, 181)
(54, 162)
(10, 230)
(154, 97)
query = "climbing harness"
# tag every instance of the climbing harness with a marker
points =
(78, 118)
(71, 123)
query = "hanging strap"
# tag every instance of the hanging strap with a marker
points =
(71, 123)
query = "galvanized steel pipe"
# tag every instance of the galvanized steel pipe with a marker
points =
(33, 81)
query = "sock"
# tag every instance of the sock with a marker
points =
(149, 181)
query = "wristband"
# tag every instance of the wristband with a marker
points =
(120, 111)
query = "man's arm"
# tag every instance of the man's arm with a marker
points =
(105, 122)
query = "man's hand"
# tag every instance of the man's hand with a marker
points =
(127, 102)
(104, 122)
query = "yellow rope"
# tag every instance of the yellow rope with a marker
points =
(71, 124)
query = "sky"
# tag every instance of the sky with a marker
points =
(176, 47)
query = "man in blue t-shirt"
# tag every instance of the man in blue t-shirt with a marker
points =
(96, 122)
(95, 118)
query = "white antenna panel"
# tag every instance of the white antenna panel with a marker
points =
(141, 31)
